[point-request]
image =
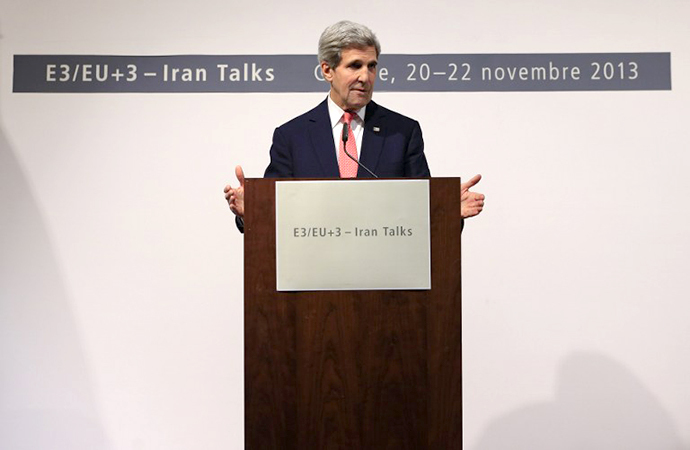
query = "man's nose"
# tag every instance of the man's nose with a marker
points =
(363, 75)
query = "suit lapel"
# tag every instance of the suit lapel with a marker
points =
(322, 140)
(372, 140)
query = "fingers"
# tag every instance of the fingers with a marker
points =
(477, 200)
(239, 173)
(235, 196)
(468, 184)
(471, 210)
(229, 193)
(471, 204)
(477, 197)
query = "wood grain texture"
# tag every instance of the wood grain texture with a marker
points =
(355, 369)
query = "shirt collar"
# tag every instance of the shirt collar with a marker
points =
(335, 112)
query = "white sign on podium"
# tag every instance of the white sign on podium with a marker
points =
(352, 235)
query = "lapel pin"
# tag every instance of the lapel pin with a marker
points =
(376, 129)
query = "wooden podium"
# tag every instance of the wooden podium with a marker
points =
(352, 369)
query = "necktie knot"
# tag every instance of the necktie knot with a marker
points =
(347, 117)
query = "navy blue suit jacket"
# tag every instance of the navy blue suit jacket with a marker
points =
(392, 146)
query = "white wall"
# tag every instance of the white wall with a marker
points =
(121, 270)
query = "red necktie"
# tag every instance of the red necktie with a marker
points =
(348, 167)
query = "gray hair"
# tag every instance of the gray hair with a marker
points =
(342, 35)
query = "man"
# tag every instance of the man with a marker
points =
(310, 146)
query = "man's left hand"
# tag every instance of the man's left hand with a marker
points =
(471, 203)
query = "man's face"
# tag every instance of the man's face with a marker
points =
(352, 81)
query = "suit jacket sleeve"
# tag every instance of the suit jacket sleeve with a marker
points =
(415, 161)
(281, 165)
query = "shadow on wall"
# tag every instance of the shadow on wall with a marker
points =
(599, 405)
(46, 400)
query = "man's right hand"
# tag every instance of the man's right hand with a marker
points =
(235, 196)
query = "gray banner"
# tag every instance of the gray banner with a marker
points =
(301, 73)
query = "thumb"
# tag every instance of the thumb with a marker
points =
(474, 180)
(239, 173)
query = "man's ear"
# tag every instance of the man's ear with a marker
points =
(327, 71)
